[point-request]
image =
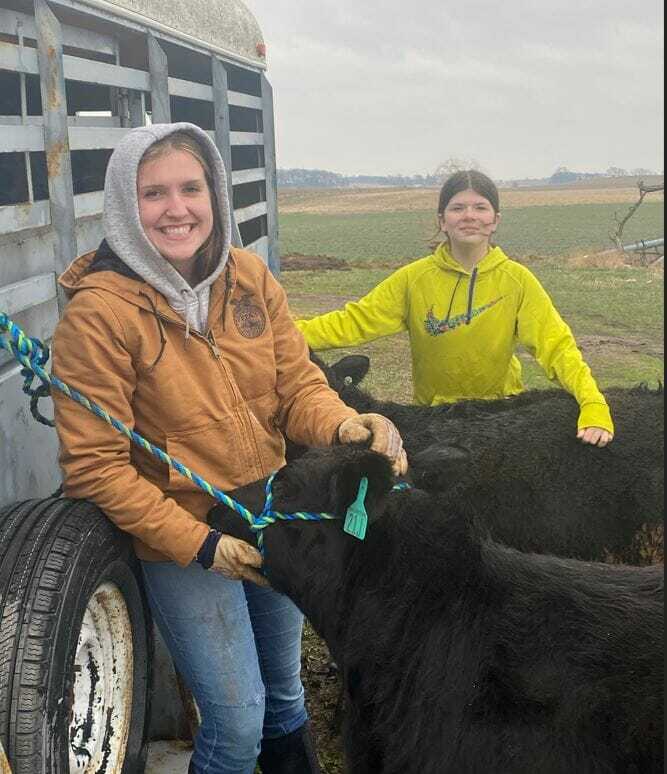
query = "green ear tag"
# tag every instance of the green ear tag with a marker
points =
(356, 520)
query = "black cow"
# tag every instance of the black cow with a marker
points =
(459, 655)
(532, 484)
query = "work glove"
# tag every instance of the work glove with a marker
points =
(386, 438)
(236, 560)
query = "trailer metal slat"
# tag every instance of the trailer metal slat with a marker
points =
(246, 138)
(85, 121)
(75, 37)
(242, 176)
(273, 259)
(24, 295)
(18, 217)
(95, 137)
(260, 247)
(190, 89)
(88, 204)
(16, 138)
(88, 71)
(238, 99)
(244, 214)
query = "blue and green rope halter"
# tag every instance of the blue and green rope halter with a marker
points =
(33, 356)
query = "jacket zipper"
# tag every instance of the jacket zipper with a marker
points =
(217, 354)
(251, 433)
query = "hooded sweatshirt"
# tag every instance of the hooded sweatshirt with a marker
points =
(220, 401)
(464, 328)
(126, 237)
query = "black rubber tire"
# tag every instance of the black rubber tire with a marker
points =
(54, 554)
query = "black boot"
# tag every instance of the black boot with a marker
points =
(291, 754)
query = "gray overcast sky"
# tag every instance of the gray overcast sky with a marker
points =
(382, 86)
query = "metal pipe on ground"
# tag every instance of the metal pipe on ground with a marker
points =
(644, 244)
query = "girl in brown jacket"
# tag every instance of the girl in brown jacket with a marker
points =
(191, 343)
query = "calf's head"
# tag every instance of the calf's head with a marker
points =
(322, 481)
(411, 541)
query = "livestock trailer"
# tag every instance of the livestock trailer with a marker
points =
(77, 649)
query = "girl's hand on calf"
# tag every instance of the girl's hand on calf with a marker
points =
(596, 436)
(236, 560)
(386, 438)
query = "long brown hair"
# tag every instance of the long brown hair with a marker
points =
(209, 253)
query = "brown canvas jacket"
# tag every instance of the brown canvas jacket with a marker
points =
(219, 403)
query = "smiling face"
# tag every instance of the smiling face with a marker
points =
(175, 208)
(469, 219)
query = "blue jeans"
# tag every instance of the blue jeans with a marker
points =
(238, 648)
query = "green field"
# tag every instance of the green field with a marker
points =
(554, 230)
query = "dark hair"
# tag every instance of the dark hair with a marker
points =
(469, 180)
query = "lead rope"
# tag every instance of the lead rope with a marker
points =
(33, 355)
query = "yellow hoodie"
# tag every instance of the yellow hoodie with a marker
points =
(464, 327)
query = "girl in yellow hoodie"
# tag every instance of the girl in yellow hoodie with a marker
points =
(466, 307)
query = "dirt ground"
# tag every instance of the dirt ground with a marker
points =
(299, 262)
(323, 697)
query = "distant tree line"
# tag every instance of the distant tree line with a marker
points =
(565, 175)
(322, 178)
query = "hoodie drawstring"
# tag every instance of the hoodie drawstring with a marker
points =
(163, 335)
(451, 300)
(185, 293)
(228, 287)
(471, 295)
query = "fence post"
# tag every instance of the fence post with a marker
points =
(159, 70)
(56, 138)
(223, 134)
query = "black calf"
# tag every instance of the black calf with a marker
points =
(460, 655)
(532, 484)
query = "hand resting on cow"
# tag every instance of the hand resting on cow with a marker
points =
(530, 483)
(459, 654)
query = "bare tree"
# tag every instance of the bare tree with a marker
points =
(452, 165)
(617, 235)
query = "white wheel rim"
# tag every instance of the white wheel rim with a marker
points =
(102, 690)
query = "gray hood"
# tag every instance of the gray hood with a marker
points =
(125, 234)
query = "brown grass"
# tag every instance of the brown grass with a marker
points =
(346, 201)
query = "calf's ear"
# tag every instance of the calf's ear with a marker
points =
(439, 466)
(346, 480)
(225, 520)
(351, 369)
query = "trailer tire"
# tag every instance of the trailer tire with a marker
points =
(75, 642)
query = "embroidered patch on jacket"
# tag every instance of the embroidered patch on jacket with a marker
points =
(248, 317)
(436, 327)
